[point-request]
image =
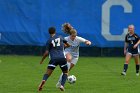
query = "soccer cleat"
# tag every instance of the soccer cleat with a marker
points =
(137, 74)
(123, 73)
(58, 85)
(62, 88)
(41, 85)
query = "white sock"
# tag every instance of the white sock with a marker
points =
(68, 64)
(60, 78)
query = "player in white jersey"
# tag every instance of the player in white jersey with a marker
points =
(72, 53)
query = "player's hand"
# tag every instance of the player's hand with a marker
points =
(125, 52)
(135, 46)
(88, 43)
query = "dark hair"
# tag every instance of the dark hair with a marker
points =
(51, 30)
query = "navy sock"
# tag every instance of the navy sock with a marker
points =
(45, 77)
(137, 68)
(64, 78)
(125, 67)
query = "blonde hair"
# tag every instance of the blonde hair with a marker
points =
(131, 26)
(73, 32)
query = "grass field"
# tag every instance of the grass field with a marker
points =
(22, 74)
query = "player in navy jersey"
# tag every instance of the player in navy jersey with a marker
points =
(131, 49)
(55, 48)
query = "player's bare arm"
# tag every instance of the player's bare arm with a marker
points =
(125, 47)
(66, 45)
(44, 56)
(136, 45)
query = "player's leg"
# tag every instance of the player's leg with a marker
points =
(64, 68)
(64, 78)
(127, 60)
(73, 62)
(68, 58)
(70, 66)
(136, 58)
(60, 77)
(50, 68)
(45, 77)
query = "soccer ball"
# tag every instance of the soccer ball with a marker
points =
(71, 79)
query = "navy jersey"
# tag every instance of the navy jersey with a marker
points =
(132, 40)
(55, 46)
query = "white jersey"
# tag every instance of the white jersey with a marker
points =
(74, 49)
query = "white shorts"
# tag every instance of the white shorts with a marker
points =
(74, 60)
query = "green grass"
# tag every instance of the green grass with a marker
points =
(22, 74)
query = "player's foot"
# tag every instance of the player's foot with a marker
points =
(137, 74)
(123, 73)
(41, 85)
(58, 85)
(62, 88)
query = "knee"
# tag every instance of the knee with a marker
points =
(126, 62)
(68, 60)
(68, 57)
(137, 63)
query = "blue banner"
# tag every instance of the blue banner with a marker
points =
(104, 22)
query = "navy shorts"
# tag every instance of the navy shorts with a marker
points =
(61, 62)
(133, 52)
